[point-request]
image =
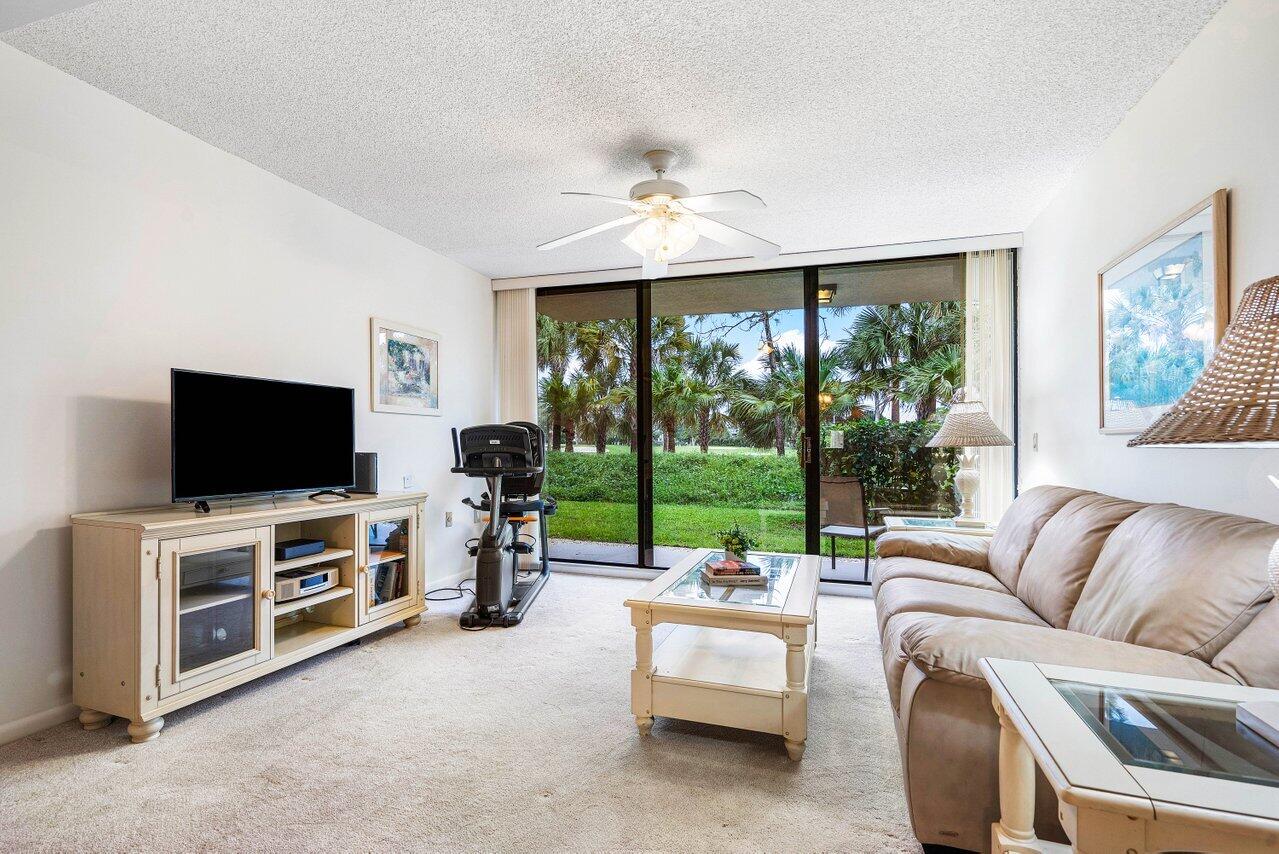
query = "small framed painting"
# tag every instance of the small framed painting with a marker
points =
(406, 368)
(1164, 305)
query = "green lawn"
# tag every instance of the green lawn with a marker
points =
(688, 525)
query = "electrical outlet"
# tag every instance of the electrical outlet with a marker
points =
(448, 518)
(408, 481)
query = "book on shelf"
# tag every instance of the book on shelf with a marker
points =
(739, 578)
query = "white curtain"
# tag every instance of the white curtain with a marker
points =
(516, 358)
(988, 362)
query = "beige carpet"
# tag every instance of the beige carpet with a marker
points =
(503, 740)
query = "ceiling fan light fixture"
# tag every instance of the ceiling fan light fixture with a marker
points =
(665, 235)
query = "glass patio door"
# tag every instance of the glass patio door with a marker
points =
(793, 404)
(728, 402)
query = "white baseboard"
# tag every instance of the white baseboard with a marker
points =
(450, 580)
(24, 727)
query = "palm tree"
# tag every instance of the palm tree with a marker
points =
(933, 379)
(888, 343)
(712, 378)
(554, 396)
(674, 402)
(581, 394)
(764, 400)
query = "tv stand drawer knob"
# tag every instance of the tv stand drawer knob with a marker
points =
(268, 594)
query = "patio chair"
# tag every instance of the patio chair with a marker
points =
(844, 516)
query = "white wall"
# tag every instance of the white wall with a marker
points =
(1211, 121)
(128, 247)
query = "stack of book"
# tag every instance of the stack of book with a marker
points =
(732, 572)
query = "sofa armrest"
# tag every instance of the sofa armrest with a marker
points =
(948, 649)
(956, 549)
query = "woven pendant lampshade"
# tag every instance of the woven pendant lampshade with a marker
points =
(1235, 401)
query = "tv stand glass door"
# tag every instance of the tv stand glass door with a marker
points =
(215, 606)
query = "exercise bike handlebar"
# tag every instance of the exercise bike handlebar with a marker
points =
(487, 472)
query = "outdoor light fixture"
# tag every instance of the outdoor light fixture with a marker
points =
(825, 294)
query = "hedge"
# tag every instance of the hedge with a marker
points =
(736, 480)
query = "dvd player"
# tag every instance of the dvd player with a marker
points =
(294, 583)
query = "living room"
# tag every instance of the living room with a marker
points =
(421, 371)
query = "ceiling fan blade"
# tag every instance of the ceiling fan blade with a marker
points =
(613, 199)
(587, 232)
(653, 269)
(730, 200)
(734, 238)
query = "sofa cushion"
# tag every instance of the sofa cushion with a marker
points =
(948, 648)
(1179, 579)
(913, 595)
(910, 567)
(1253, 656)
(1053, 574)
(1021, 525)
(959, 549)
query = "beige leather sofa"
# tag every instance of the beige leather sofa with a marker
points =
(1070, 577)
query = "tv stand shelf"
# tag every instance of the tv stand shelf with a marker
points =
(170, 605)
(327, 556)
(292, 605)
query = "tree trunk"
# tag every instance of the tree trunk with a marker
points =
(668, 437)
(779, 425)
(570, 433)
(557, 433)
(704, 430)
(600, 441)
(896, 409)
(926, 408)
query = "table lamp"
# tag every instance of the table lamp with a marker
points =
(967, 425)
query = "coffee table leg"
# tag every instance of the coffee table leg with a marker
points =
(795, 700)
(642, 675)
(1015, 830)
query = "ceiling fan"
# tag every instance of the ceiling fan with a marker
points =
(668, 220)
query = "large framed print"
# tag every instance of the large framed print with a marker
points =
(406, 368)
(1163, 307)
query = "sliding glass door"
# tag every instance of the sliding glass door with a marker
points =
(794, 404)
(891, 336)
(588, 376)
(728, 402)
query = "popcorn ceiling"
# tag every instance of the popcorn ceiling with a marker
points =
(457, 123)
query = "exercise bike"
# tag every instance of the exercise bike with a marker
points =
(511, 459)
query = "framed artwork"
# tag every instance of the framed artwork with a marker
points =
(1163, 307)
(406, 368)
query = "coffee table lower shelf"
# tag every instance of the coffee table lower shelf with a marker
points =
(728, 678)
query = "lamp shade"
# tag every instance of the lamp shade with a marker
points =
(1235, 401)
(968, 425)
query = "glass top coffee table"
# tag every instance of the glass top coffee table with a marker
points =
(1138, 763)
(752, 677)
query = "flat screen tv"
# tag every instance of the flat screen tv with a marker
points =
(234, 436)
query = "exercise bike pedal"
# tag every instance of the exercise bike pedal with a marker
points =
(522, 548)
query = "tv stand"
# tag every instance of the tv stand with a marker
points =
(170, 607)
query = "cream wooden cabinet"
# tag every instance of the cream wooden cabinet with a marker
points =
(170, 606)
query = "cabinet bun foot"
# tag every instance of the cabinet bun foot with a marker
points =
(645, 725)
(140, 731)
(795, 749)
(410, 622)
(92, 719)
